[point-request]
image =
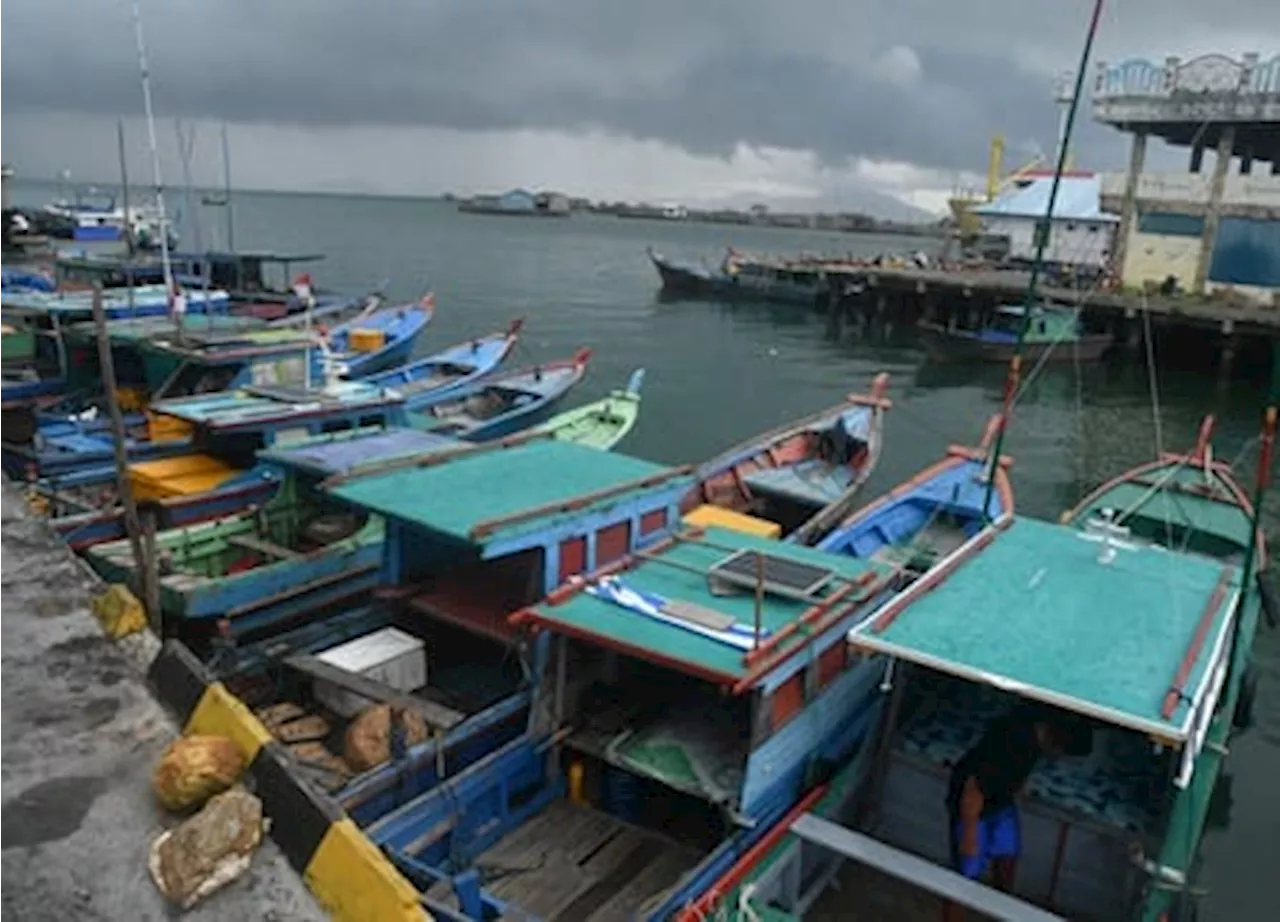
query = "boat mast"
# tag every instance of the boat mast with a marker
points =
(165, 265)
(226, 190)
(1043, 233)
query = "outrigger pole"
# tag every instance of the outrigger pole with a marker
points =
(1043, 232)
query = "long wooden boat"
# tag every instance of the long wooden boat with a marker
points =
(380, 339)
(504, 403)
(1053, 335)
(142, 301)
(1131, 621)
(602, 424)
(232, 425)
(430, 379)
(474, 533)
(738, 278)
(798, 479)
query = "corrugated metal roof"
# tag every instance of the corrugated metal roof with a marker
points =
(1079, 199)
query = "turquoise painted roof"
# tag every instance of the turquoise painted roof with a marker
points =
(455, 496)
(614, 625)
(231, 408)
(1037, 614)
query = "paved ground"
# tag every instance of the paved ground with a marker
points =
(80, 735)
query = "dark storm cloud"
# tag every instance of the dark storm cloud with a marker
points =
(926, 82)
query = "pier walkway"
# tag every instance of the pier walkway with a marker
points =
(81, 734)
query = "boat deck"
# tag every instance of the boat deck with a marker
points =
(574, 864)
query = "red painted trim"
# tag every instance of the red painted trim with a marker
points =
(701, 908)
(1192, 654)
(1202, 441)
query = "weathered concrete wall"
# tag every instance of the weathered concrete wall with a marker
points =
(1256, 196)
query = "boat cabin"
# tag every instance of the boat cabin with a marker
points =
(1121, 645)
(687, 693)
(1048, 324)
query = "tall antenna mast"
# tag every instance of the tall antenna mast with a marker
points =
(165, 264)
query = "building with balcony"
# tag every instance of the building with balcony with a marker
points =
(1203, 230)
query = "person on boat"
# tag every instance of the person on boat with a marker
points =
(982, 793)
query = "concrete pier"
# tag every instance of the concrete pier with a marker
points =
(81, 736)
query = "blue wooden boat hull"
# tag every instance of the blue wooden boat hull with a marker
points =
(455, 368)
(85, 530)
(401, 326)
(537, 391)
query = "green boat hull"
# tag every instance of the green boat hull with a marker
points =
(602, 424)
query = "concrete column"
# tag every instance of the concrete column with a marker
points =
(1128, 205)
(1197, 157)
(1213, 210)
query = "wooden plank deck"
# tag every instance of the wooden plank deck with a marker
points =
(576, 864)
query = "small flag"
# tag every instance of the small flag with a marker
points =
(177, 301)
(302, 286)
(429, 301)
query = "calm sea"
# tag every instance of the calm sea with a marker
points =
(718, 373)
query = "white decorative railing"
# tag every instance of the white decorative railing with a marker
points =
(1214, 74)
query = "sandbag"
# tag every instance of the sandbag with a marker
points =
(208, 850)
(368, 741)
(194, 768)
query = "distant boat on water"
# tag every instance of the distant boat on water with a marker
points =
(997, 339)
(519, 203)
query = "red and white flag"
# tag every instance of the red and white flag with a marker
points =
(177, 301)
(302, 286)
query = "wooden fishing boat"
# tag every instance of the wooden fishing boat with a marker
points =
(738, 278)
(32, 381)
(504, 403)
(1053, 334)
(602, 424)
(933, 514)
(231, 426)
(1095, 622)
(474, 533)
(379, 339)
(296, 551)
(661, 746)
(798, 479)
(430, 379)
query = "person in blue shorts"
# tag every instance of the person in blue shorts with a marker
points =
(982, 794)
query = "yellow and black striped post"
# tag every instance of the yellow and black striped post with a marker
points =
(345, 872)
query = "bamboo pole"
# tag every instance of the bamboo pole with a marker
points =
(1043, 233)
(143, 565)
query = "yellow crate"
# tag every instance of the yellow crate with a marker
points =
(364, 340)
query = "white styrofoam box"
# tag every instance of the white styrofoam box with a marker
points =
(390, 656)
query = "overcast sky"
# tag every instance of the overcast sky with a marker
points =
(825, 101)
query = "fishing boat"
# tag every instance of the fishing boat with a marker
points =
(504, 403)
(602, 424)
(679, 712)
(460, 557)
(46, 316)
(379, 339)
(429, 379)
(1047, 329)
(739, 277)
(294, 552)
(232, 425)
(798, 479)
(1130, 625)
